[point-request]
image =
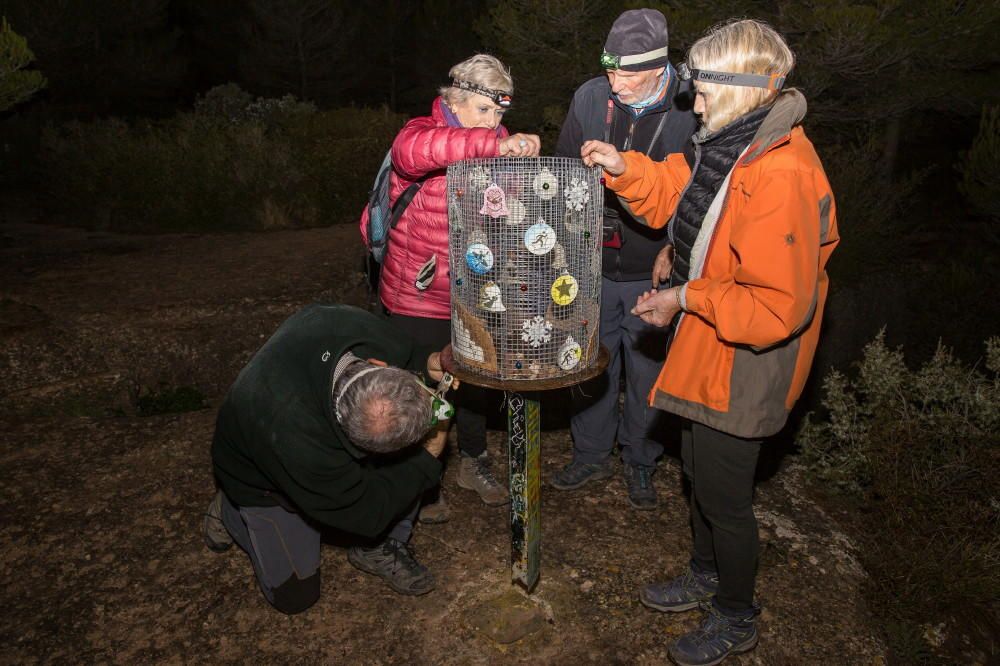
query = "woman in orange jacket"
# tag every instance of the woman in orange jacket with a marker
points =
(752, 222)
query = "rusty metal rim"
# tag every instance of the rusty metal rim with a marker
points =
(549, 383)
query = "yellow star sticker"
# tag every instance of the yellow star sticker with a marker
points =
(564, 289)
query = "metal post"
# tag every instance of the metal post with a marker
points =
(523, 437)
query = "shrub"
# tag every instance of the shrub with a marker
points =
(234, 163)
(917, 454)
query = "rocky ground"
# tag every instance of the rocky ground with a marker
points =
(99, 524)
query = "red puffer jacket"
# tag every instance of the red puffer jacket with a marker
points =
(423, 149)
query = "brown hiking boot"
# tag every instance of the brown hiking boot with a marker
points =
(476, 474)
(435, 512)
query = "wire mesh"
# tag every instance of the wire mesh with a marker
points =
(525, 266)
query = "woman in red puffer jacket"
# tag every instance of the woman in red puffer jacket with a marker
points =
(414, 285)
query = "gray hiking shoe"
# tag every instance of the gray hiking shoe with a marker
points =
(216, 536)
(720, 634)
(477, 474)
(577, 474)
(639, 483)
(393, 562)
(687, 591)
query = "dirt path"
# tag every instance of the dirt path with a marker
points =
(102, 557)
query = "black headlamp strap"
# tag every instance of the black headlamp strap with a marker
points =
(766, 81)
(500, 97)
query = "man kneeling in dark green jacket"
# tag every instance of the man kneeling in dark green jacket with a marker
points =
(318, 431)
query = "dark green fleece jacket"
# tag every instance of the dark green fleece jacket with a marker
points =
(277, 440)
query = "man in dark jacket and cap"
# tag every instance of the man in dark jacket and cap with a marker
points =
(639, 104)
(317, 431)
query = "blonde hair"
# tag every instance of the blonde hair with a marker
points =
(481, 69)
(740, 46)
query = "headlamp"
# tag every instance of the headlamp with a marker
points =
(766, 81)
(500, 97)
(612, 61)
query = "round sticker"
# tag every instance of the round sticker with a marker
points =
(545, 184)
(564, 289)
(516, 211)
(540, 238)
(479, 258)
(569, 354)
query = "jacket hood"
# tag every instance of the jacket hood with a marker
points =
(786, 112)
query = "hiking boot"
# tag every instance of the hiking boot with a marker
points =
(577, 474)
(720, 634)
(393, 562)
(216, 536)
(435, 512)
(687, 591)
(476, 474)
(639, 483)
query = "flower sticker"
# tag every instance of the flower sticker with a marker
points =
(577, 194)
(536, 330)
(545, 184)
(494, 202)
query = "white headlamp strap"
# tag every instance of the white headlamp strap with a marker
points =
(612, 61)
(342, 364)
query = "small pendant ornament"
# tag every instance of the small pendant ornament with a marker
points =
(536, 330)
(425, 276)
(479, 258)
(559, 258)
(494, 202)
(569, 354)
(540, 238)
(515, 211)
(577, 194)
(490, 299)
(480, 177)
(564, 289)
(545, 184)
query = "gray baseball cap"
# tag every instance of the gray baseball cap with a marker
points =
(638, 41)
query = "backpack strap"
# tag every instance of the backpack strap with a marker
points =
(400, 205)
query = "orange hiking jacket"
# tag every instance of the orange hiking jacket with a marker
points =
(753, 306)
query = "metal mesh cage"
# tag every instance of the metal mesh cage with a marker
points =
(525, 266)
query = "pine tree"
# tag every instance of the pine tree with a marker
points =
(16, 83)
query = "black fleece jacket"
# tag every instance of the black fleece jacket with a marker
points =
(659, 131)
(277, 441)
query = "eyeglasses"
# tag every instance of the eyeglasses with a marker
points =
(498, 96)
(766, 81)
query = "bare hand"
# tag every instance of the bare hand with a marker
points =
(663, 265)
(658, 307)
(437, 439)
(435, 369)
(520, 145)
(603, 154)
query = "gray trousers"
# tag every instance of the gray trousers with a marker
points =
(639, 349)
(284, 550)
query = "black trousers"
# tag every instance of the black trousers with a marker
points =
(471, 402)
(721, 470)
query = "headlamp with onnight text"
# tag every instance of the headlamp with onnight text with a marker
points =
(766, 81)
(500, 97)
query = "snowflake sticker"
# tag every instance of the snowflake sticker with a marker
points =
(480, 177)
(536, 330)
(545, 184)
(577, 194)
